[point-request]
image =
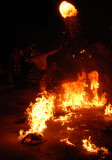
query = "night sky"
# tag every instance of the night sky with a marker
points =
(40, 21)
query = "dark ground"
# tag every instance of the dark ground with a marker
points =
(13, 104)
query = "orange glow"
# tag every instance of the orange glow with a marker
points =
(83, 51)
(67, 142)
(89, 146)
(70, 129)
(67, 9)
(108, 110)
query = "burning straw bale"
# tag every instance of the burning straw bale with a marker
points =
(32, 139)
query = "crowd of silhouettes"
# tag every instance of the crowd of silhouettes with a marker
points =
(20, 67)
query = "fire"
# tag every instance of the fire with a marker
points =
(67, 142)
(39, 113)
(89, 146)
(74, 95)
(108, 110)
(64, 119)
(93, 77)
(67, 9)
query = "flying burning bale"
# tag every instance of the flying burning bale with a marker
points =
(67, 9)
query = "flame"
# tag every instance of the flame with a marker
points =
(108, 110)
(21, 133)
(39, 113)
(89, 146)
(93, 77)
(64, 119)
(67, 9)
(74, 96)
(67, 142)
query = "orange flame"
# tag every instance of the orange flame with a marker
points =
(39, 113)
(108, 110)
(67, 9)
(75, 95)
(67, 142)
(64, 119)
(89, 146)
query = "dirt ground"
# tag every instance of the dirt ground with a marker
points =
(87, 122)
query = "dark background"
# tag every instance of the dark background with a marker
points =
(41, 22)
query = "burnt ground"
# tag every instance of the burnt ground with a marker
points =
(12, 106)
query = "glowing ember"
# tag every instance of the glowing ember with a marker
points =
(70, 129)
(82, 51)
(67, 142)
(67, 9)
(89, 146)
(108, 110)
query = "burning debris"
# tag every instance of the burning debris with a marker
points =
(67, 142)
(89, 146)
